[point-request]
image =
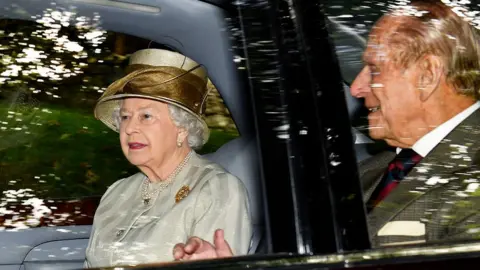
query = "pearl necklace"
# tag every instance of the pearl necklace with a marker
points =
(147, 196)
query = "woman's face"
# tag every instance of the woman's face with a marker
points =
(148, 136)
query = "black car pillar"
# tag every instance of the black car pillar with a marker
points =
(313, 195)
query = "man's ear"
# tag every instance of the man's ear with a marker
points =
(430, 70)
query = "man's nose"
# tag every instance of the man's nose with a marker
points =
(360, 87)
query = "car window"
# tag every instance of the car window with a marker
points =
(438, 199)
(55, 157)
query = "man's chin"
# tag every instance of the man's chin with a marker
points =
(377, 133)
(381, 134)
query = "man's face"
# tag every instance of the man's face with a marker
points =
(390, 92)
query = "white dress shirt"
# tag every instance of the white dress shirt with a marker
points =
(426, 144)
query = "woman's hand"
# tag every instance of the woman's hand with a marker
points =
(199, 249)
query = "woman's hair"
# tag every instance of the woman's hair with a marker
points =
(182, 119)
(195, 129)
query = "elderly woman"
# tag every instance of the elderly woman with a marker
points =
(157, 109)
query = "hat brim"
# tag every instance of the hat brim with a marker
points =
(104, 111)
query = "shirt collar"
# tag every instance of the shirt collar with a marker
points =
(426, 144)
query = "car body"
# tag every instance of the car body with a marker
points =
(282, 69)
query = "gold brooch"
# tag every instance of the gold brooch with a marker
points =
(182, 193)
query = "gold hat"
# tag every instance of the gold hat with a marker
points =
(160, 75)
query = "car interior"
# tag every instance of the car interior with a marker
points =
(200, 31)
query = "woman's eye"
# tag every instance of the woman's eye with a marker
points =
(123, 117)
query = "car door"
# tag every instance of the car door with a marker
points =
(56, 160)
(313, 196)
(55, 67)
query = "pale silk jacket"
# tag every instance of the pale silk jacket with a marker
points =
(127, 232)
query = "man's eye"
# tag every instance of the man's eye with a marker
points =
(147, 116)
(123, 117)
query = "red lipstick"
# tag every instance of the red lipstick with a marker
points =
(136, 145)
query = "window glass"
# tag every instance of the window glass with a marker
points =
(55, 157)
(436, 200)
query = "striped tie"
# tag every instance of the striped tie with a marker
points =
(397, 169)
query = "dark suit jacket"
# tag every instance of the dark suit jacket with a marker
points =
(441, 193)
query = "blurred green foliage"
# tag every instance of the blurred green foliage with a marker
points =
(60, 152)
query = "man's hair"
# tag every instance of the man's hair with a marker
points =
(431, 27)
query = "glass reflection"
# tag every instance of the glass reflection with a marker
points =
(436, 197)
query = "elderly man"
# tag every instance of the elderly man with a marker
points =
(421, 84)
